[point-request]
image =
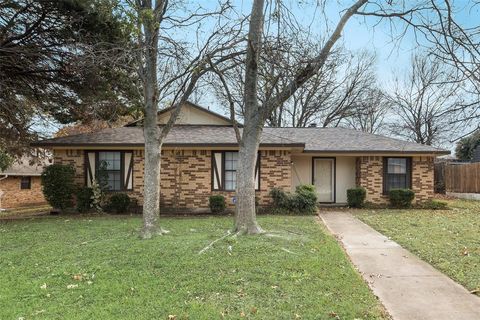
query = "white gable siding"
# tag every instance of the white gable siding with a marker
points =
(192, 115)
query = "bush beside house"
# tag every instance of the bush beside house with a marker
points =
(84, 199)
(356, 197)
(118, 203)
(401, 198)
(302, 201)
(58, 185)
(217, 204)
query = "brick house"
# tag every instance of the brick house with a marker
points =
(20, 184)
(200, 153)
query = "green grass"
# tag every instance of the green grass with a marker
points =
(447, 239)
(298, 271)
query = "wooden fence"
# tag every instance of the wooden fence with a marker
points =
(462, 178)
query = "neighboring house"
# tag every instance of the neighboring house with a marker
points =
(476, 154)
(199, 159)
(20, 184)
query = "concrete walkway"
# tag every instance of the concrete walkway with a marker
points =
(408, 287)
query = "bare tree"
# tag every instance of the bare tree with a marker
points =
(371, 114)
(438, 28)
(415, 15)
(426, 101)
(169, 72)
(333, 94)
(257, 113)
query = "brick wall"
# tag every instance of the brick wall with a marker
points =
(186, 175)
(369, 174)
(75, 158)
(422, 178)
(15, 197)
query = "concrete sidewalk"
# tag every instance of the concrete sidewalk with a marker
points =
(408, 287)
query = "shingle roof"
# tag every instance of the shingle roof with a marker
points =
(349, 140)
(25, 167)
(311, 139)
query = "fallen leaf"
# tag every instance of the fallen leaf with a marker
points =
(72, 286)
(253, 310)
(242, 314)
(77, 277)
(172, 317)
(43, 286)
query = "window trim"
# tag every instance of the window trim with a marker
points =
(122, 167)
(408, 173)
(29, 183)
(221, 177)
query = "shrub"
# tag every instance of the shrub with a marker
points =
(356, 197)
(58, 185)
(435, 205)
(401, 198)
(439, 187)
(217, 203)
(98, 197)
(118, 203)
(134, 207)
(280, 198)
(303, 201)
(84, 199)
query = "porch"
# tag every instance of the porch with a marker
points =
(331, 175)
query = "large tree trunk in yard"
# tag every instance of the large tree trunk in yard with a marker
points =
(245, 215)
(151, 133)
(151, 202)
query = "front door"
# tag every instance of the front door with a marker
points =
(324, 179)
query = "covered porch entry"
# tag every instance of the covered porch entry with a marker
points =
(331, 175)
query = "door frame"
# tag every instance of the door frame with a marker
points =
(334, 185)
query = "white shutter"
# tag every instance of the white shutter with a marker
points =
(128, 170)
(90, 167)
(217, 165)
(257, 173)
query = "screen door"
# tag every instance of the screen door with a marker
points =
(323, 179)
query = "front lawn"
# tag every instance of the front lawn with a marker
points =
(25, 211)
(449, 240)
(97, 268)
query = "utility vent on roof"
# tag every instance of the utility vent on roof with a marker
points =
(313, 125)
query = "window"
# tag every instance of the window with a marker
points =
(397, 174)
(26, 183)
(224, 170)
(118, 169)
(112, 162)
(231, 159)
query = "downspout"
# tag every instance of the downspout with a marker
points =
(2, 193)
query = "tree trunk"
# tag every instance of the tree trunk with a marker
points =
(245, 215)
(151, 133)
(151, 202)
(153, 147)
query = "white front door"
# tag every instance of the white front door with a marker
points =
(324, 179)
